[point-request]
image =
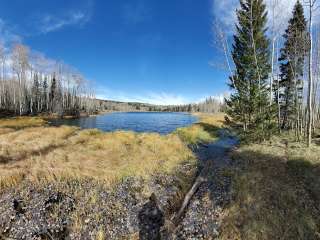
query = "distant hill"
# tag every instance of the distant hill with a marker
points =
(209, 105)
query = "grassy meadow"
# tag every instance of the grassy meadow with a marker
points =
(31, 150)
(104, 176)
(275, 184)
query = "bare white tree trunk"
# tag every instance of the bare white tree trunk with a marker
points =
(311, 4)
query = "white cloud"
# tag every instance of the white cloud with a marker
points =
(156, 98)
(50, 23)
(225, 12)
(164, 99)
(161, 98)
(7, 34)
(76, 16)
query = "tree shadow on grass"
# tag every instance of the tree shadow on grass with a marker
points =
(209, 128)
(273, 198)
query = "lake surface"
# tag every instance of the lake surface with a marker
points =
(162, 123)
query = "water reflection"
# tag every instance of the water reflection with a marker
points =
(162, 123)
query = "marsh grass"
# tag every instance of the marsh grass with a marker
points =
(275, 192)
(21, 122)
(85, 163)
(204, 131)
(48, 154)
(112, 156)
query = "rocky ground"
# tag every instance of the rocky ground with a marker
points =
(134, 209)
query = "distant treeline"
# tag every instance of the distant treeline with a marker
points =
(210, 105)
(32, 84)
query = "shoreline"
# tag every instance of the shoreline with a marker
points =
(79, 174)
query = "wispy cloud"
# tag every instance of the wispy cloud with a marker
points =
(161, 98)
(225, 12)
(78, 16)
(7, 33)
(164, 99)
(51, 23)
(136, 12)
(156, 98)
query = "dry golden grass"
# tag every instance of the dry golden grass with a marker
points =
(112, 156)
(18, 148)
(6, 130)
(18, 145)
(50, 154)
(21, 122)
(276, 191)
(216, 119)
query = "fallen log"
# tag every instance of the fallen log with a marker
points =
(200, 179)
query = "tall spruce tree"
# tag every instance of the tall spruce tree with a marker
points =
(292, 63)
(249, 103)
(45, 105)
(53, 93)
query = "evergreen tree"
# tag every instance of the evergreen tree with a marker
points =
(249, 103)
(292, 62)
(52, 94)
(45, 106)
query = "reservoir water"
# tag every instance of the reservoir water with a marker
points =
(162, 123)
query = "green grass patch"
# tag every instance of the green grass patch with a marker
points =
(197, 134)
(204, 131)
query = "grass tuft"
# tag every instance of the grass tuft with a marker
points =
(204, 131)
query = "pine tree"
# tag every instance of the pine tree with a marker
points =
(45, 106)
(249, 103)
(292, 62)
(52, 94)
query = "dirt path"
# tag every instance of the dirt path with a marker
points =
(202, 217)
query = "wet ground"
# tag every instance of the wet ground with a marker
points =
(203, 215)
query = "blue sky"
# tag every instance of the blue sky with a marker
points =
(131, 50)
